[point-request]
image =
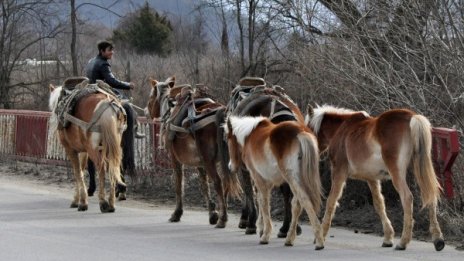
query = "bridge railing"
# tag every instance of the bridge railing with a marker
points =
(25, 135)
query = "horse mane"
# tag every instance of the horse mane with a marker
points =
(54, 96)
(320, 111)
(243, 126)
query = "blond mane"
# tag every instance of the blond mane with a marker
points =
(319, 112)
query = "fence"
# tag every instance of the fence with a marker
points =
(25, 135)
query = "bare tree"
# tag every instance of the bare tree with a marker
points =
(23, 24)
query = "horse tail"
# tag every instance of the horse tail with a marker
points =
(111, 153)
(309, 169)
(422, 161)
(230, 181)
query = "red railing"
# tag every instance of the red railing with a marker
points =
(31, 139)
(25, 135)
(444, 152)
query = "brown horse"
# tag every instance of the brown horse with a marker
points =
(101, 142)
(251, 97)
(274, 154)
(377, 148)
(191, 144)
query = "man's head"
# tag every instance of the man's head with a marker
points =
(105, 49)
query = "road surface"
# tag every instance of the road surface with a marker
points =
(36, 224)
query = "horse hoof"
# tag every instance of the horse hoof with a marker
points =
(175, 217)
(263, 242)
(74, 205)
(106, 208)
(82, 208)
(398, 247)
(288, 244)
(319, 247)
(387, 244)
(282, 234)
(220, 224)
(250, 231)
(122, 197)
(439, 244)
(213, 218)
(90, 193)
(298, 230)
(243, 224)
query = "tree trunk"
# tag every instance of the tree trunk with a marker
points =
(73, 39)
(238, 4)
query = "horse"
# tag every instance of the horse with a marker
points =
(95, 133)
(189, 131)
(377, 148)
(128, 157)
(251, 97)
(274, 154)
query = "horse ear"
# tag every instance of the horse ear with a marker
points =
(171, 81)
(153, 82)
(51, 87)
(309, 110)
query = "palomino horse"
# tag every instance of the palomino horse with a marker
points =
(274, 154)
(189, 132)
(377, 148)
(94, 132)
(251, 97)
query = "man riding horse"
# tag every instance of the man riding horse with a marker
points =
(98, 68)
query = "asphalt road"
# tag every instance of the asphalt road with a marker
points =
(36, 224)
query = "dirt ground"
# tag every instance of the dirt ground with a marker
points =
(355, 210)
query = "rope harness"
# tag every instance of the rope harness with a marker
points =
(185, 118)
(72, 94)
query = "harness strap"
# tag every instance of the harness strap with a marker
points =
(90, 126)
(281, 113)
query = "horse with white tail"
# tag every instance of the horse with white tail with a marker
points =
(274, 154)
(92, 127)
(376, 148)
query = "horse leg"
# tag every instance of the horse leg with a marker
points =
(92, 184)
(80, 196)
(287, 193)
(265, 211)
(399, 181)
(379, 205)
(292, 232)
(179, 187)
(305, 201)
(338, 183)
(249, 215)
(221, 196)
(435, 230)
(104, 206)
(120, 189)
(213, 214)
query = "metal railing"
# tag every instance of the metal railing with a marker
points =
(25, 135)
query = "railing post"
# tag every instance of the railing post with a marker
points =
(445, 149)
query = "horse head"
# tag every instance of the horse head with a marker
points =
(233, 146)
(236, 130)
(158, 101)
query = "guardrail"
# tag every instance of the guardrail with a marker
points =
(25, 135)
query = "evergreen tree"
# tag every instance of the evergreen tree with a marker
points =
(145, 31)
